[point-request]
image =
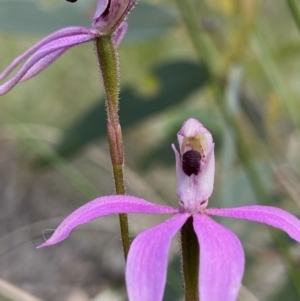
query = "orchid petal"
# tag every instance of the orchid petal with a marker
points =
(271, 216)
(120, 33)
(104, 206)
(45, 56)
(65, 32)
(221, 260)
(102, 6)
(146, 268)
(110, 14)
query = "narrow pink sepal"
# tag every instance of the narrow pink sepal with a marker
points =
(65, 32)
(271, 216)
(120, 33)
(42, 64)
(44, 57)
(146, 269)
(104, 206)
(221, 260)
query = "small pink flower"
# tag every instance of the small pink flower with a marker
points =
(221, 255)
(108, 19)
(195, 166)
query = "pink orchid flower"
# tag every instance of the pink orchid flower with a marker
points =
(108, 19)
(221, 253)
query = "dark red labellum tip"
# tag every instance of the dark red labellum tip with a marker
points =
(191, 162)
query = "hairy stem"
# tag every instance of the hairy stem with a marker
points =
(109, 65)
(190, 260)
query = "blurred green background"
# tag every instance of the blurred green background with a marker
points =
(232, 64)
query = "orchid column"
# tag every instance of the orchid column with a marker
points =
(109, 19)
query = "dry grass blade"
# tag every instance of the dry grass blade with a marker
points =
(246, 295)
(15, 293)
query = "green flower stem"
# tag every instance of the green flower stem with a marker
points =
(109, 65)
(190, 261)
(264, 197)
(295, 11)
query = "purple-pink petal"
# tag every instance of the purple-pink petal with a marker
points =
(102, 6)
(104, 206)
(43, 57)
(147, 261)
(65, 32)
(271, 216)
(42, 64)
(120, 33)
(221, 260)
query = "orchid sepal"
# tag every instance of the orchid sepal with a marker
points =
(103, 206)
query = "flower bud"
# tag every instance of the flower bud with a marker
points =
(195, 166)
(110, 14)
